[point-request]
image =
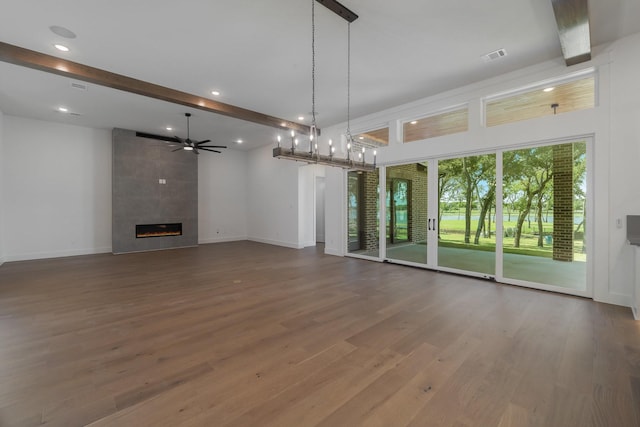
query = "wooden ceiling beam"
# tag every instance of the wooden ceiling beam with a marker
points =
(339, 9)
(51, 64)
(572, 18)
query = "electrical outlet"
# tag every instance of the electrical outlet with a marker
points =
(619, 222)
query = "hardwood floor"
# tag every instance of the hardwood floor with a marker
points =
(246, 334)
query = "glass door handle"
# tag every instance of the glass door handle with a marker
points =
(429, 225)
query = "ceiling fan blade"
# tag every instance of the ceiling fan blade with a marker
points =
(212, 146)
(213, 151)
(203, 142)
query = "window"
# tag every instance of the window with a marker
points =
(377, 138)
(436, 125)
(542, 101)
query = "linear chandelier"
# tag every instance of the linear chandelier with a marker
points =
(313, 155)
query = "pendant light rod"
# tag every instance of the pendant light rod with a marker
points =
(339, 9)
(313, 136)
(349, 137)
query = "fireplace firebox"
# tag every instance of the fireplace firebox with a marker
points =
(158, 230)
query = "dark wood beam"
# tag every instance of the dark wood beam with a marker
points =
(339, 9)
(51, 64)
(572, 18)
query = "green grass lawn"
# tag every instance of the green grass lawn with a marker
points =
(452, 235)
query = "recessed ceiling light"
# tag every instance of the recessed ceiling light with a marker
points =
(548, 89)
(62, 32)
(361, 137)
(414, 122)
(239, 141)
(215, 93)
(300, 117)
(283, 124)
(169, 128)
(61, 47)
(63, 109)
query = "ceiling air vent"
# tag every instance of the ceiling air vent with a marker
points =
(496, 54)
(79, 86)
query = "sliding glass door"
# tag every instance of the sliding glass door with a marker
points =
(517, 215)
(544, 204)
(466, 214)
(407, 213)
(363, 213)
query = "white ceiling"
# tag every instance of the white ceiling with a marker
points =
(257, 53)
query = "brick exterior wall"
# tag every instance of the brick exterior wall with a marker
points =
(370, 236)
(563, 202)
(416, 174)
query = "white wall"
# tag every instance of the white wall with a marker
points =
(222, 196)
(273, 209)
(2, 239)
(57, 189)
(623, 188)
(307, 202)
(335, 212)
(614, 124)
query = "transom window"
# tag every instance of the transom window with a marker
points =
(542, 101)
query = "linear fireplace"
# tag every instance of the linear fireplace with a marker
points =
(158, 230)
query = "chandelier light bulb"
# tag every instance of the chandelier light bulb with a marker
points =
(296, 141)
(363, 150)
(330, 143)
(293, 133)
(333, 150)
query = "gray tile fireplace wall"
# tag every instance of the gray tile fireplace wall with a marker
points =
(152, 185)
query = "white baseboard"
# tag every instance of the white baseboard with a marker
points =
(206, 241)
(56, 254)
(616, 299)
(333, 251)
(276, 243)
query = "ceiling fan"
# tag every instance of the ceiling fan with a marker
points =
(191, 145)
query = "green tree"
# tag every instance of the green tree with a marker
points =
(532, 170)
(448, 184)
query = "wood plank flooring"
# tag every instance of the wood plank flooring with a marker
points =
(246, 334)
